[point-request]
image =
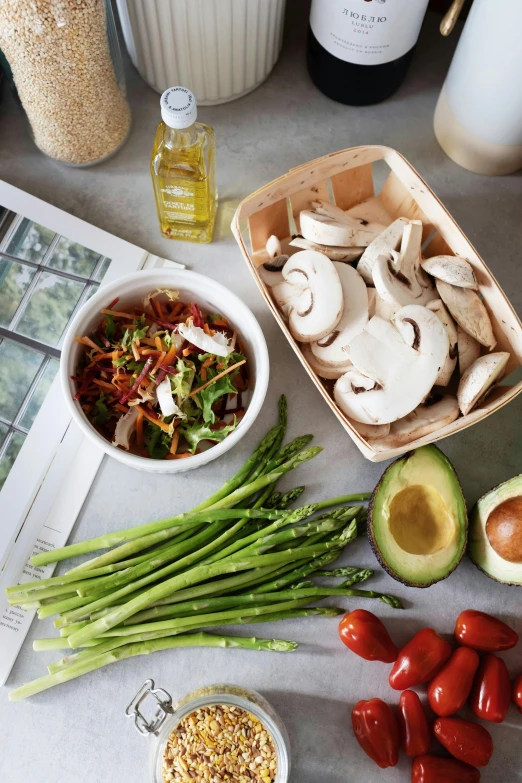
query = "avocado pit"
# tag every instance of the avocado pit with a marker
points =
(504, 529)
(419, 520)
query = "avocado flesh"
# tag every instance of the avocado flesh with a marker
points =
(480, 550)
(417, 518)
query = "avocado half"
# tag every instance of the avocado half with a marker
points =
(417, 520)
(495, 532)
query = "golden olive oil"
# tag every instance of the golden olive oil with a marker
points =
(183, 170)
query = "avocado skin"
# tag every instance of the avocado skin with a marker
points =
(371, 537)
(473, 517)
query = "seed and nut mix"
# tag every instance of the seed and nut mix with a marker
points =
(220, 743)
(59, 54)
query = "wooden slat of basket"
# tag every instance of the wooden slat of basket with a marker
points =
(273, 219)
(303, 199)
(353, 186)
(399, 203)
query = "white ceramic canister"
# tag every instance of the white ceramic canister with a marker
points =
(219, 49)
(478, 119)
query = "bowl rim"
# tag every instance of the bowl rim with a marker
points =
(251, 328)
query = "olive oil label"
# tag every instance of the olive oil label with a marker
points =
(367, 32)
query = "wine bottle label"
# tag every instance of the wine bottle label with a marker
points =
(367, 32)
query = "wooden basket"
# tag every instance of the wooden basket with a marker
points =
(347, 179)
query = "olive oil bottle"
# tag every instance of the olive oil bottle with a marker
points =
(183, 169)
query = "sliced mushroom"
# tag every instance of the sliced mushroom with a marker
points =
(346, 254)
(395, 366)
(329, 349)
(479, 378)
(437, 307)
(316, 303)
(385, 310)
(400, 280)
(370, 431)
(326, 224)
(389, 239)
(451, 269)
(273, 246)
(372, 298)
(284, 293)
(323, 370)
(468, 349)
(469, 312)
(425, 419)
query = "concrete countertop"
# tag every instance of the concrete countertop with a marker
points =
(78, 731)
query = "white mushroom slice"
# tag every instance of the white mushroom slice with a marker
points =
(370, 431)
(479, 378)
(372, 300)
(125, 428)
(217, 344)
(394, 368)
(469, 312)
(268, 277)
(166, 400)
(329, 349)
(468, 349)
(389, 239)
(346, 254)
(350, 232)
(437, 307)
(284, 293)
(273, 246)
(323, 370)
(385, 310)
(400, 279)
(317, 302)
(422, 421)
(451, 269)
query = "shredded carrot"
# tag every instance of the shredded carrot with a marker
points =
(171, 355)
(182, 456)
(219, 375)
(87, 408)
(117, 314)
(139, 426)
(104, 385)
(222, 322)
(135, 352)
(174, 444)
(87, 341)
(233, 341)
(161, 357)
(206, 328)
(158, 343)
(157, 422)
(209, 361)
(186, 352)
(122, 408)
(150, 352)
(203, 373)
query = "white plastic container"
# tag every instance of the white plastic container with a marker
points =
(219, 49)
(210, 296)
(478, 119)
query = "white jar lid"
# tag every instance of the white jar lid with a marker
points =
(179, 108)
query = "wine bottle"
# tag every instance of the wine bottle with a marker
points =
(359, 50)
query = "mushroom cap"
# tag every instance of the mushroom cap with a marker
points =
(323, 370)
(437, 306)
(451, 269)
(329, 349)
(389, 239)
(331, 231)
(370, 431)
(424, 420)
(468, 349)
(479, 378)
(395, 366)
(399, 278)
(317, 303)
(273, 246)
(469, 312)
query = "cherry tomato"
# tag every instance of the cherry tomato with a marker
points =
(517, 692)
(491, 692)
(419, 660)
(414, 728)
(365, 635)
(376, 730)
(433, 769)
(483, 632)
(449, 690)
(465, 740)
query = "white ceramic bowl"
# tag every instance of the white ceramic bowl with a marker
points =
(211, 296)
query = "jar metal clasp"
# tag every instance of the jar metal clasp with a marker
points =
(162, 706)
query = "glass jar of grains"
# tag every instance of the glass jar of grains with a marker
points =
(67, 69)
(215, 734)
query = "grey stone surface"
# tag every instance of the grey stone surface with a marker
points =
(78, 731)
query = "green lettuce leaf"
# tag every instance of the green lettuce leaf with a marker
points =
(101, 413)
(181, 383)
(194, 433)
(207, 397)
(156, 440)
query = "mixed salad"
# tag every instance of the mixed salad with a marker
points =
(162, 379)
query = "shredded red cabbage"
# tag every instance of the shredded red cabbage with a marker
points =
(139, 379)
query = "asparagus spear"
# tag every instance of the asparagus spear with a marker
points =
(144, 648)
(289, 498)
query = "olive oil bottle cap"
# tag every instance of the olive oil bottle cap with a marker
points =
(178, 108)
